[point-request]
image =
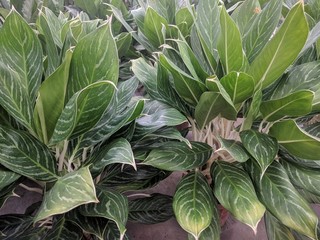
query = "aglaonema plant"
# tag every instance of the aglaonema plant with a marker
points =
(71, 124)
(247, 80)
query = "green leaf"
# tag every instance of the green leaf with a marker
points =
(282, 49)
(91, 7)
(70, 191)
(234, 148)
(7, 177)
(112, 205)
(83, 111)
(301, 77)
(294, 105)
(112, 232)
(187, 87)
(153, 24)
(63, 229)
(295, 140)
(262, 28)
(184, 21)
(281, 199)
(166, 8)
(99, 64)
(208, 27)
(20, 68)
(123, 42)
(261, 147)
(15, 225)
(118, 151)
(177, 156)
(303, 177)
(238, 85)
(212, 104)
(50, 102)
(150, 210)
(235, 191)
(230, 45)
(23, 154)
(276, 230)
(193, 203)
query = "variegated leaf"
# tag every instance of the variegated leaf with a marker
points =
(262, 28)
(112, 232)
(177, 156)
(95, 58)
(13, 226)
(230, 45)
(64, 230)
(281, 199)
(193, 203)
(303, 177)
(23, 154)
(70, 191)
(20, 68)
(83, 111)
(165, 8)
(234, 148)
(153, 209)
(276, 230)
(281, 50)
(262, 147)
(235, 191)
(294, 105)
(8, 191)
(112, 205)
(295, 140)
(7, 177)
(118, 151)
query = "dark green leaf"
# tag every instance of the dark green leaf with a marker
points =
(276, 230)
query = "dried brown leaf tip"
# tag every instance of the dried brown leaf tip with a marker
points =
(257, 10)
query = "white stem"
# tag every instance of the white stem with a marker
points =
(31, 189)
(62, 155)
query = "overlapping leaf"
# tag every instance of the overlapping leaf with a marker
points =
(112, 205)
(281, 199)
(234, 148)
(7, 177)
(22, 153)
(70, 191)
(64, 230)
(177, 156)
(118, 151)
(235, 191)
(150, 210)
(276, 230)
(77, 117)
(294, 105)
(193, 204)
(295, 140)
(262, 147)
(282, 49)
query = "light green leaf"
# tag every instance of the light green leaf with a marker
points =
(312, 38)
(301, 77)
(118, 151)
(153, 24)
(208, 27)
(112, 205)
(166, 8)
(303, 177)
(70, 191)
(177, 156)
(245, 14)
(254, 110)
(20, 68)
(276, 230)
(262, 147)
(212, 104)
(50, 102)
(63, 229)
(230, 45)
(7, 177)
(23, 154)
(83, 111)
(187, 87)
(184, 21)
(262, 28)
(150, 210)
(91, 7)
(234, 148)
(282, 49)
(295, 140)
(193, 203)
(99, 64)
(294, 105)
(281, 199)
(235, 191)
(238, 85)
